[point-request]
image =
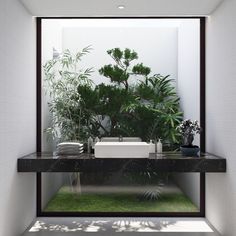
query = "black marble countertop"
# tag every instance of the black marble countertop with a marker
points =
(166, 162)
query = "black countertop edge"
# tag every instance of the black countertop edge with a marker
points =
(168, 162)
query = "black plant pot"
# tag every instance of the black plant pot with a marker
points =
(190, 151)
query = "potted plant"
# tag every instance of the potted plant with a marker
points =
(188, 129)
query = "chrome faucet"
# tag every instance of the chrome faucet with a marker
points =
(120, 138)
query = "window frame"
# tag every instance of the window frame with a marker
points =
(39, 212)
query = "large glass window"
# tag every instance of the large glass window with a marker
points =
(104, 78)
(118, 193)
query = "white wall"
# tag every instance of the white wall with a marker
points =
(220, 116)
(17, 116)
(51, 38)
(188, 87)
(188, 83)
(156, 47)
(51, 183)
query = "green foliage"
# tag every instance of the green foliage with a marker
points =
(151, 106)
(65, 200)
(160, 108)
(140, 69)
(148, 108)
(61, 78)
(151, 194)
(115, 73)
(155, 112)
(122, 70)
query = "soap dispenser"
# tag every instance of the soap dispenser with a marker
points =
(159, 146)
(90, 144)
(97, 139)
(151, 147)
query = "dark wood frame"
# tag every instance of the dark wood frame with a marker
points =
(39, 211)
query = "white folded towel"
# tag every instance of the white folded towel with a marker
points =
(70, 144)
(70, 148)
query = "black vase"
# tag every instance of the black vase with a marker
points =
(190, 151)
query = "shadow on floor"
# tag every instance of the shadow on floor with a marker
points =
(126, 226)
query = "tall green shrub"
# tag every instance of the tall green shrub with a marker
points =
(151, 108)
(136, 103)
(62, 76)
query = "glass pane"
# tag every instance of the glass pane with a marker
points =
(119, 79)
(118, 192)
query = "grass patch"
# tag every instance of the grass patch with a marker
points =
(66, 201)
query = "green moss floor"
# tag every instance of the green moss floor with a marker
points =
(66, 201)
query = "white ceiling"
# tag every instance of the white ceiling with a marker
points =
(92, 8)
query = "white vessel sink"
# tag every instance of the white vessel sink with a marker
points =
(121, 150)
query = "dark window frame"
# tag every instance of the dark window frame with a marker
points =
(39, 211)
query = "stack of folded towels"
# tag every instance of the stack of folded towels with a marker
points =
(70, 148)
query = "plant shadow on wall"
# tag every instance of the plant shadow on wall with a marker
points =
(135, 103)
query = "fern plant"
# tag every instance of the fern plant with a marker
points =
(155, 112)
